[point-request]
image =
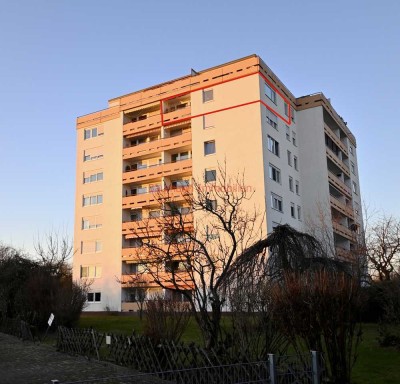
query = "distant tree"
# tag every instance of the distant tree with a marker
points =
(383, 248)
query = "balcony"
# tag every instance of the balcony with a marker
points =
(342, 207)
(157, 146)
(154, 226)
(342, 230)
(339, 184)
(344, 254)
(154, 198)
(157, 171)
(336, 140)
(173, 114)
(343, 167)
(144, 227)
(140, 253)
(182, 279)
(146, 124)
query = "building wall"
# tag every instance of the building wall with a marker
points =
(108, 213)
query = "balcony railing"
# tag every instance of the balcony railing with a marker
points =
(164, 144)
(339, 184)
(149, 123)
(182, 279)
(154, 226)
(342, 207)
(333, 157)
(171, 114)
(344, 254)
(342, 230)
(336, 140)
(157, 171)
(154, 198)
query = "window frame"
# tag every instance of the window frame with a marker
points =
(209, 144)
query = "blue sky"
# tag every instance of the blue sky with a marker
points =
(62, 59)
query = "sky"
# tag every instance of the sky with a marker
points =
(60, 59)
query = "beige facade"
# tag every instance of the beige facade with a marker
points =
(293, 152)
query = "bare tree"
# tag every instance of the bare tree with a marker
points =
(190, 248)
(383, 247)
(54, 252)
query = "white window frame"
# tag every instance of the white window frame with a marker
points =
(274, 173)
(272, 119)
(273, 145)
(292, 210)
(209, 148)
(270, 93)
(276, 202)
(291, 184)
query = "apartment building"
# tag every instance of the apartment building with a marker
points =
(297, 154)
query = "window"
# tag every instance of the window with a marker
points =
(91, 133)
(286, 109)
(91, 271)
(355, 187)
(209, 147)
(287, 133)
(91, 222)
(180, 183)
(208, 121)
(297, 187)
(274, 173)
(292, 210)
(94, 297)
(298, 212)
(98, 246)
(295, 164)
(276, 202)
(90, 178)
(92, 154)
(92, 200)
(273, 146)
(291, 183)
(272, 119)
(208, 95)
(270, 93)
(292, 113)
(210, 175)
(351, 149)
(353, 168)
(211, 205)
(91, 246)
(294, 139)
(289, 158)
(179, 157)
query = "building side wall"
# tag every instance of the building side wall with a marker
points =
(105, 218)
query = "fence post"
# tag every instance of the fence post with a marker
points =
(272, 368)
(316, 368)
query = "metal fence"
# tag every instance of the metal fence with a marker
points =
(187, 364)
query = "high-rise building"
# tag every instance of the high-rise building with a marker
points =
(297, 154)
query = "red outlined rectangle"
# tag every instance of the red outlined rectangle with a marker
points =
(287, 121)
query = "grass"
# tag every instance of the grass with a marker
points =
(374, 365)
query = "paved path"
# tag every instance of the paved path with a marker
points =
(24, 362)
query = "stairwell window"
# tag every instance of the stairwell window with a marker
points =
(209, 147)
(91, 178)
(287, 133)
(270, 93)
(299, 213)
(272, 119)
(292, 210)
(289, 158)
(276, 202)
(92, 200)
(291, 183)
(90, 133)
(274, 173)
(295, 163)
(297, 187)
(210, 175)
(294, 139)
(208, 95)
(273, 146)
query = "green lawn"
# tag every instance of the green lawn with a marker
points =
(375, 365)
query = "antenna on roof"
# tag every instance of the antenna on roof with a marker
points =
(193, 72)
